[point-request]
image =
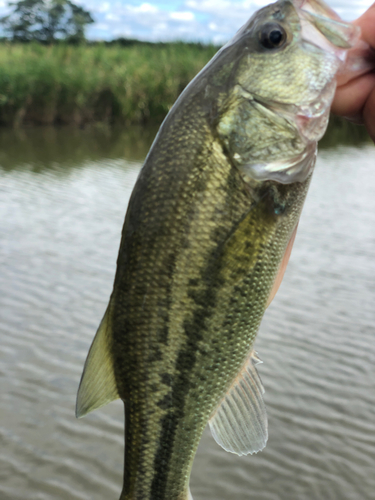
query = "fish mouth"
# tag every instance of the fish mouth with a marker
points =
(322, 27)
(326, 38)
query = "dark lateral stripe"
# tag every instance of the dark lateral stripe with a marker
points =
(204, 296)
(203, 291)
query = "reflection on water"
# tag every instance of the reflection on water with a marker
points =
(341, 131)
(39, 148)
(63, 195)
(47, 147)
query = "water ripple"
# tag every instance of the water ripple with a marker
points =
(60, 234)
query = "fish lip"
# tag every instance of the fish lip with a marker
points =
(321, 32)
(317, 21)
(323, 28)
(317, 7)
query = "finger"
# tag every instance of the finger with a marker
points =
(369, 114)
(367, 24)
(350, 99)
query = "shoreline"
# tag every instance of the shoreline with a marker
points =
(68, 84)
(108, 85)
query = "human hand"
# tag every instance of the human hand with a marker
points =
(355, 100)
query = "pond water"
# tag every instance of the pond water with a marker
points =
(63, 196)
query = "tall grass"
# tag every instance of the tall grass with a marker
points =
(136, 84)
(78, 84)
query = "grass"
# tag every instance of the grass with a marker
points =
(108, 83)
(80, 84)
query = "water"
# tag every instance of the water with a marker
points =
(63, 195)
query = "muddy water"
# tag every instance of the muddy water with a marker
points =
(63, 195)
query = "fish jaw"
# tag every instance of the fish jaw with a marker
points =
(336, 35)
(359, 59)
(295, 84)
(324, 29)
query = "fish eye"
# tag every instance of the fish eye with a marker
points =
(272, 36)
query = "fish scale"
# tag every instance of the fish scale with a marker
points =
(206, 239)
(198, 319)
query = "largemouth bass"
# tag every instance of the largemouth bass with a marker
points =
(206, 240)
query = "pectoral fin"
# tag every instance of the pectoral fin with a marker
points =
(282, 268)
(239, 424)
(98, 384)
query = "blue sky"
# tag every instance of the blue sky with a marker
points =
(198, 20)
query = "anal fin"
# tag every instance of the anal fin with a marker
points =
(98, 384)
(239, 424)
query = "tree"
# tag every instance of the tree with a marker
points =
(46, 21)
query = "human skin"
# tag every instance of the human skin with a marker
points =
(355, 100)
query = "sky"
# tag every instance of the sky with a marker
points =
(208, 21)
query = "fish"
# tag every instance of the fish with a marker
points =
(206, 239)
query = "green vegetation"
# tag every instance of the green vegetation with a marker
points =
(63, 83)
(127, 82)
(341, 131)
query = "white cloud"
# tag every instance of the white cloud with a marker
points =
(104, 7)
(182, 16)
(144, 7)
(210, 6)
(204, 20)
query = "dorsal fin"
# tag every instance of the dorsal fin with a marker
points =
(98, 384)
(282, 268)
(239, 424)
